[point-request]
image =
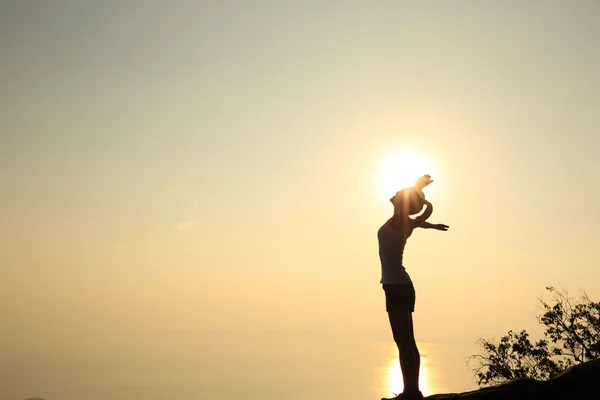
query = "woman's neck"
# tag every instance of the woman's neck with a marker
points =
(399, 220)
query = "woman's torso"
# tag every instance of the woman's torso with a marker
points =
(392, 241)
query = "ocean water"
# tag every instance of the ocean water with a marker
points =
(220, 365)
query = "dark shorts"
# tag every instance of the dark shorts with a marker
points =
(399, 297)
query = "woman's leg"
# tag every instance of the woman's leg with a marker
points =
(415, 349)
(402, 329)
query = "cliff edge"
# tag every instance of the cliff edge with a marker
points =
(580, 382)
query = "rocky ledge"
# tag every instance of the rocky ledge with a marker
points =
(580, 382)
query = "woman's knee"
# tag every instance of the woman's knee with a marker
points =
(415, 348)
(403, 339)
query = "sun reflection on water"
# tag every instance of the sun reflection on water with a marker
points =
(392, 377)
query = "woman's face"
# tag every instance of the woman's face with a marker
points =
(408, 201)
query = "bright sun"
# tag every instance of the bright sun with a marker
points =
(401, 170)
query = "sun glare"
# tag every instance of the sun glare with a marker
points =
(401, 170)
(393, 378)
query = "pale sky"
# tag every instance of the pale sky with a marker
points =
(212, 167)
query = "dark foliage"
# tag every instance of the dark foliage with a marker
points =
(572, 336)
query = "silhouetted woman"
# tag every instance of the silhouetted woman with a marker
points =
(397, 285)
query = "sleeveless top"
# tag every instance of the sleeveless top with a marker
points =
(391, 250)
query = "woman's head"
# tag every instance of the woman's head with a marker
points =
(408, 201)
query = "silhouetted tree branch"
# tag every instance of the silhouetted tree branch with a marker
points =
(572, 336)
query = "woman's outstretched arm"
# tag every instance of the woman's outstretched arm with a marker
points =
(427, 225)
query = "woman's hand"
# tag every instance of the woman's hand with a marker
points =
(423, 181)
(441, 227)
